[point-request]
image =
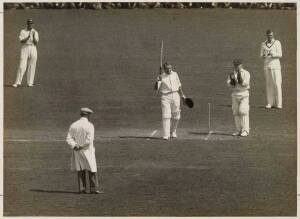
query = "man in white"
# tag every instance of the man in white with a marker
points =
(239, 82)
(29, 39)
(80, 138)
(168, 84)
(271, 52)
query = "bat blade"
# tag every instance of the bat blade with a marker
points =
(161, 53)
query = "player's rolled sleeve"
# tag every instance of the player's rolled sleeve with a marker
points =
(262, 51)
(36, 36)
(22, 35)
(278, 52)
(158, 84)
(178, 81)
(246, 79)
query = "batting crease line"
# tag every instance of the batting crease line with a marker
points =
(28, 140)
(43, 140)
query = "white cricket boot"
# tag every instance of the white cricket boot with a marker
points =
(268, 106)
(245, 125)
(173, 135)
(236, 133)
(244, 134)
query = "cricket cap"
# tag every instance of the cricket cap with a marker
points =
(86, 111)
(29, 21)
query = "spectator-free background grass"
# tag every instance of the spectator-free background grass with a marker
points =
(108, 60)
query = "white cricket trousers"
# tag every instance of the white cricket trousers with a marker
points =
(170, 105)
(240, 110)
(273, 86)
(28, 60)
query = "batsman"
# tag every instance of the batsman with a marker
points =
(239, 82)
(169, 85)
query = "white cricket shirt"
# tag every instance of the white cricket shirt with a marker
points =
(240, 90)
(24, 34)
(169, 83)
(271, 52)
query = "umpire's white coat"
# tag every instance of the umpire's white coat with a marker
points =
(81, 132)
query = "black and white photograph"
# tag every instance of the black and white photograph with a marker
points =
(149, 109)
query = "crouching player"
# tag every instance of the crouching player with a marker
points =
(239, 82)
(168, 84)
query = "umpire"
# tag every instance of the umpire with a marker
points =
(83, 160)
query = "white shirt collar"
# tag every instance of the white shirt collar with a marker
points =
(83, 118)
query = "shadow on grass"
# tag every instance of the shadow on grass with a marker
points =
(53, 191)
(10, 85)
(258, 106)
(19, 87)
(140, 137)
(212, 133)
(224, 105)
(251, 106)
(198, 133)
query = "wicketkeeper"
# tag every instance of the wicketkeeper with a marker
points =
(169, 85)
(239, 82)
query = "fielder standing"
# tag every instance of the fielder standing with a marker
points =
(80, 138)
(168, 84)
(239, 82)
(29, 39)
(271, 52)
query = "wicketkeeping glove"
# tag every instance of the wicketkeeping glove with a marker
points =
(188, 102)
(232, 80)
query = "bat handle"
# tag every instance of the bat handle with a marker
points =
(161, 53)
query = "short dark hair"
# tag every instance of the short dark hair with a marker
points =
(84, 114)
(237, 62)
(29, 21)
(167, 64)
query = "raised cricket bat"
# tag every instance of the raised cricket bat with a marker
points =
(161, 55)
